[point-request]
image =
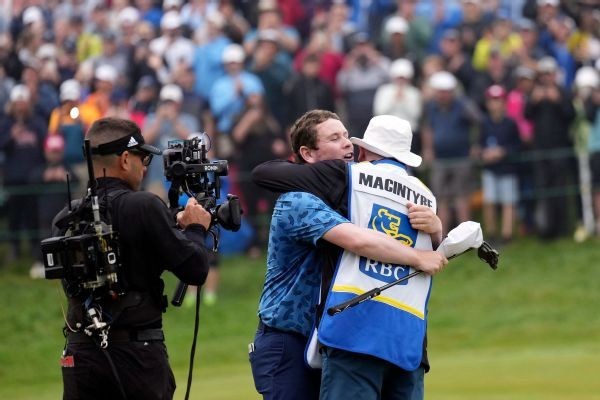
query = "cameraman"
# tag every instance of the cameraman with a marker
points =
(134, 364)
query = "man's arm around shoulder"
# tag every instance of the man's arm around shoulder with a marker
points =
(379, 246)
(325, 179)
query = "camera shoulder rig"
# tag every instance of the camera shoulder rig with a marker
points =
(86, 254)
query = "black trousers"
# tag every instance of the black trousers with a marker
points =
(552, 178)
(143, 368)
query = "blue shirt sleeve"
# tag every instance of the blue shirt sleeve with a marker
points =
(305, 217)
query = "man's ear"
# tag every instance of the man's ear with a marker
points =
(362, 155)
(306, 154)
(125, 161)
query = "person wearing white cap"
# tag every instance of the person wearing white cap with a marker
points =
(456, 61)
(273, 69)
(586, 138)
(33, 16)
(97, 104)
(113, 53)
(270, 17)
(381, 344)
(176, 50)
(128, 16)
(284, 315)
(22, 131)
(364, 70)
(229, 93)
(195, 13)
(171, 5)
(207, 62)
(447, 147)
(400, 97)
(167, 123)
(475, 22)
(550, 108)
(68, 122)
(394, 44)
(410, 28)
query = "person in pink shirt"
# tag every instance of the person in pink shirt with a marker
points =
(515, 109)
(516, 99)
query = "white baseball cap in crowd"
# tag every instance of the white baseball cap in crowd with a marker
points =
(106, 73)
(170, 20)
(547, 2)
(19, 93)
(170, 4)
(402, 68)
(547, 64)
(171, 92)
(128, 16)
(442, 80)
(32, 14)
(233, 53)
(46, 51)
(70, 90)
(396, 24)
(586, 77)
(389, 136)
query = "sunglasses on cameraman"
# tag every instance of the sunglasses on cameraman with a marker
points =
(146, 157)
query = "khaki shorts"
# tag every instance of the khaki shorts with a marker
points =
(451, 179)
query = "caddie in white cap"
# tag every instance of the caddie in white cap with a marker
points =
(384, 342)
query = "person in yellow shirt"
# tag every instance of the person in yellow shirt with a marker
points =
(498, 38)
(89, 44)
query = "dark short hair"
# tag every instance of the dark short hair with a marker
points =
(106, 130)
(304, 130)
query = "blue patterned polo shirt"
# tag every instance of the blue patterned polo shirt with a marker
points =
(291, 291)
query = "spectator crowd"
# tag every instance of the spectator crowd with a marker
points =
(501, 96)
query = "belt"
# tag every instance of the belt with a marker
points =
(144, 335)
(266, 328)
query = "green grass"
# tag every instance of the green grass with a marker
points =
(529, 330)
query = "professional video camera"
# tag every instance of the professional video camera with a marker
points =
(87, 256)
(189, 171)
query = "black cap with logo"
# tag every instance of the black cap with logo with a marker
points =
(134, 141)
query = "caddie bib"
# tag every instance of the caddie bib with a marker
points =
(392, 325)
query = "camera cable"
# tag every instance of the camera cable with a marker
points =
(193, 349)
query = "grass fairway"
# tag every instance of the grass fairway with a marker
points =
(529, 330)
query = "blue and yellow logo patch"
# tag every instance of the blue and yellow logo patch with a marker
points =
(395, 224)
